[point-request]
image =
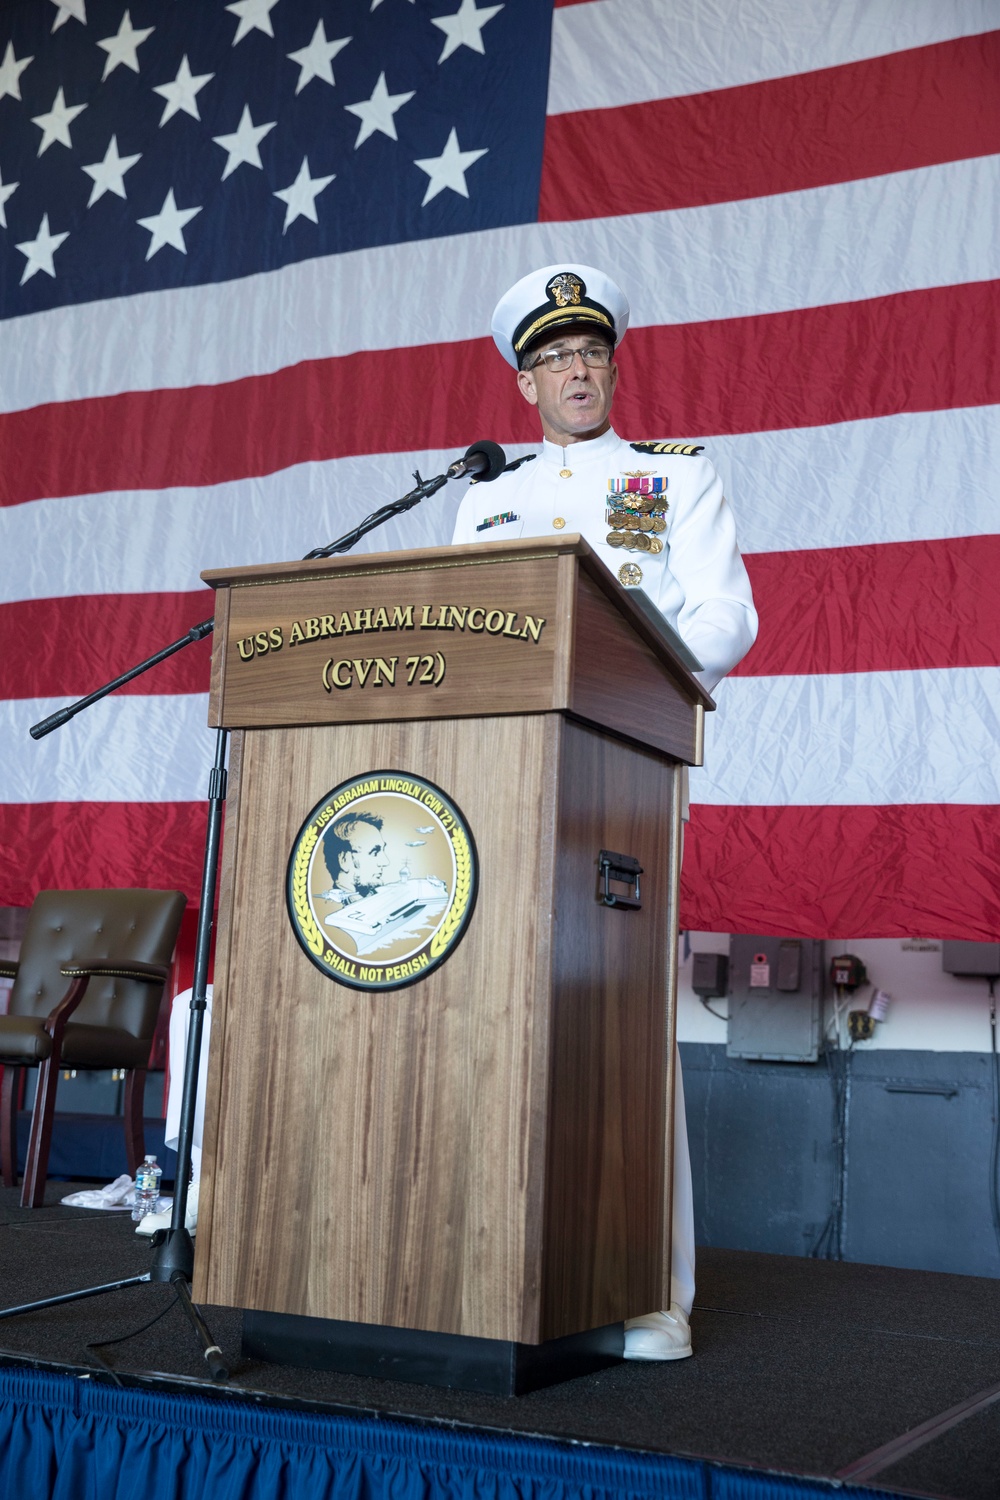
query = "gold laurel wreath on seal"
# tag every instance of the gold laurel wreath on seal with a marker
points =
(460, 902)
(300, 892)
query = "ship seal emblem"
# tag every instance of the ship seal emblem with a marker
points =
(382, 880)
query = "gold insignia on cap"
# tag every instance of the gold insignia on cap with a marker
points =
(565, 289)
(567, 302)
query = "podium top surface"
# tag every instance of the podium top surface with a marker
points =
(532, 625)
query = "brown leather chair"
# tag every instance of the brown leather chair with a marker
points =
(86, 994)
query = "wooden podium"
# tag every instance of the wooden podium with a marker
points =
(485, 1152)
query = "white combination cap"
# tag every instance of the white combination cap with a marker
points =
(552, 298)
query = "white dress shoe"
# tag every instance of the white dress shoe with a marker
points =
(152, 1222)
(658, 1335)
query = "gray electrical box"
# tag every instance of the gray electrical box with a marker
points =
(776, 989)
(982, 959)
(710, 975)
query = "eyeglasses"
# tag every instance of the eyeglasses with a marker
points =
(597, 356)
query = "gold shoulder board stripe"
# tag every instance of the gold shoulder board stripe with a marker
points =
(691, 449)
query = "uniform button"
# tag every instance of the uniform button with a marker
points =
(559, 523)
(565, 473)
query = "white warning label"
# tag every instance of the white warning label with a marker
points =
(760, 972)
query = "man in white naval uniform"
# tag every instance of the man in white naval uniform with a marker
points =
(656, 515)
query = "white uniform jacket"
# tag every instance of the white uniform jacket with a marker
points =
(698, 582)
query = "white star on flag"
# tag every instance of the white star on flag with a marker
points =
(377, 112)
(109, 174)
(301, 196)
(40, 250)
(242, 145)
(167, 226)
(77, 9)
(123, 46)
(448, 169)
(465, 27)
(6, 188)
(55, 125)
(180, 95)
(314, 60)
(254, 15)
(10, 72)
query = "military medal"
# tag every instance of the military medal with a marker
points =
(636, 511)
(630, 575)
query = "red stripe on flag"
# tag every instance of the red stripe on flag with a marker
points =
(88, 845)
(65, 648)
(319, 409)
(908, 109)
(914, 351)
(885, 872)
(917, 870)
(901, 606)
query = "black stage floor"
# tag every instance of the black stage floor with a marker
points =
(801, 1367)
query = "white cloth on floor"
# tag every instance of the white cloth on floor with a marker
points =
(180, 1016)
(117, 1195)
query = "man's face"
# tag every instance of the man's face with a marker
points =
(573, 404)
(363, 870)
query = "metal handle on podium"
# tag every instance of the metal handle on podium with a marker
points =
(623, 869)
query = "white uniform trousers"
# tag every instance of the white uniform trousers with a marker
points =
(180, 1016)
(682, 1225)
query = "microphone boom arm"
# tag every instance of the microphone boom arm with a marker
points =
(63, 715)
(422, 490)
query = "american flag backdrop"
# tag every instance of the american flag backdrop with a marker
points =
(248, 254)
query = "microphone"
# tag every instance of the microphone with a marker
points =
(484, 460)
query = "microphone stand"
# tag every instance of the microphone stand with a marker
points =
(173, 1248)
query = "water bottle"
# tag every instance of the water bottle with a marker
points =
(147, 1188)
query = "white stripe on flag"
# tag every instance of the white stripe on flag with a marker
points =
(628, 51)
(865, 739)
(130, 542)
(123, 749)
(843, 243)
(905, 478)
